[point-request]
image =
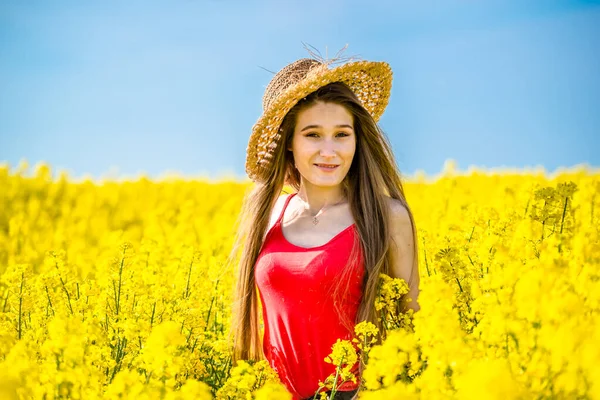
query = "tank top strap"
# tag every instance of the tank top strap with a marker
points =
(287, 201)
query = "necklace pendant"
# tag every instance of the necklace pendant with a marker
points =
(315, 221)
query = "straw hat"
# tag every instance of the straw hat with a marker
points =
(371, 82)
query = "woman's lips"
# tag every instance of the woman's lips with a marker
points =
(327, 167)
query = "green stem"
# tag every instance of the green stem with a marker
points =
(67, 293)
(187, 287)
(471, 235)
(543, 222)
(152, 317)
(426, 263)
(120, 282)
(212, 300)
(337, 374)
(187, 340)
(21, 303)
(563, 214)
(527, 207)
(5, 302)
(457, 281)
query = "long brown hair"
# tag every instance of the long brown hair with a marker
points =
(372, 176)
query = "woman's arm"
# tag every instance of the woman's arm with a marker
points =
(402, 252)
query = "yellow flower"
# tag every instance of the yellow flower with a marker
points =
(343, 354)
(191, 389)
(118, 289)
(272, 391)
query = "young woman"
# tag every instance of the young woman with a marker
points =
(310, 260)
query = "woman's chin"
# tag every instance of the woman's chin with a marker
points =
(325, 182)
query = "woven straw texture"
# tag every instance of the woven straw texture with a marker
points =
(371, 82)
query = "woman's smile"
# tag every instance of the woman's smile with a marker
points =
(327, 167)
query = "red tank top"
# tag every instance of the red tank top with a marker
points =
(301, 321)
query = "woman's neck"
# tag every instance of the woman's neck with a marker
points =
(316, 198)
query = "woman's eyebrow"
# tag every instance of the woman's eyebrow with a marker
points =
(319, 127)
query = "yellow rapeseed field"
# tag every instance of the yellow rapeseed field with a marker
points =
(119, 290)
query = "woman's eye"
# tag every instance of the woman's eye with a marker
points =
(339, 134)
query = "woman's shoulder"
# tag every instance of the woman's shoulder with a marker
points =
(279, 203)
(282, 198)
(398, 209)
(277, 208)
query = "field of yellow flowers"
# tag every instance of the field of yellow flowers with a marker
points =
(119, 290)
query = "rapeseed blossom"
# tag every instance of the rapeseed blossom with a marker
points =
(121, 289)
(343, 357)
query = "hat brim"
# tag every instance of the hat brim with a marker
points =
(371, 81)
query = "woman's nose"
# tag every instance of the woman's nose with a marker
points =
(327, 149)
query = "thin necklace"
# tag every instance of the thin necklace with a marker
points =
(315, 219)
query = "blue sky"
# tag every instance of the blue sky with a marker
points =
(155, 86)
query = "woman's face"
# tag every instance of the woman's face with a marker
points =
(324, 143)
